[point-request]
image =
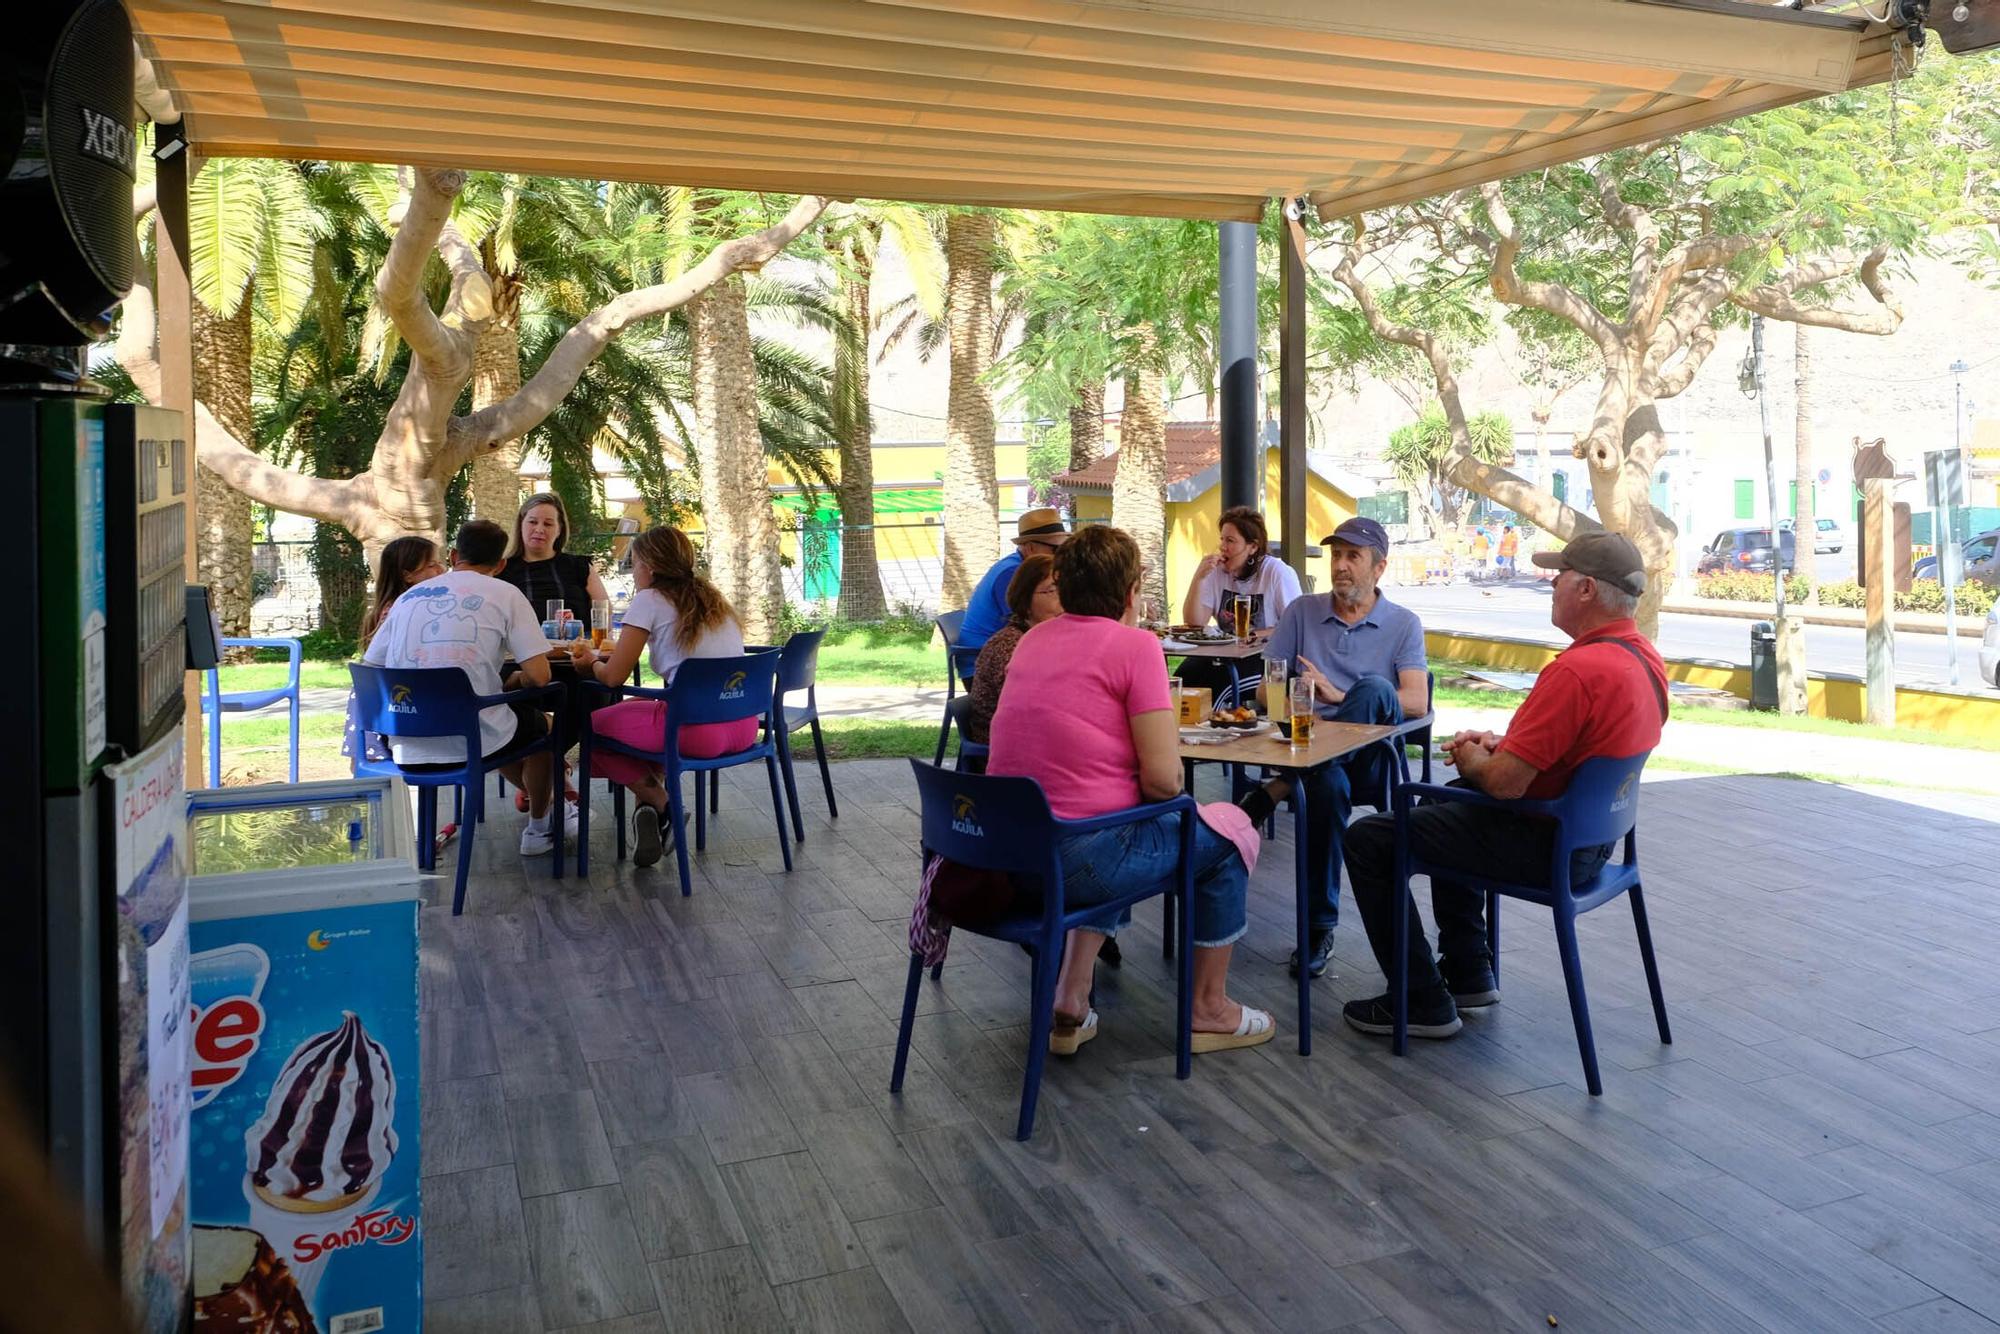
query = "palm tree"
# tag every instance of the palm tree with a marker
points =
(971, 491)
(251, 225)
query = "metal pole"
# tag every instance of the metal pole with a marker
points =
(1242, 454)
(1770, 467)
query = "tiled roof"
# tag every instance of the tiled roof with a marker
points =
(1192, 448)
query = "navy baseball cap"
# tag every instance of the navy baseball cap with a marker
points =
(1360, 532)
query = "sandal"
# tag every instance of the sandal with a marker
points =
(1070, 1033)
(1254, 1029)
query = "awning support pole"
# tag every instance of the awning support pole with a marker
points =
(1299, 544)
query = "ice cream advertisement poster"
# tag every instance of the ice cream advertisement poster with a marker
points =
(149, 863)
(305, 1161)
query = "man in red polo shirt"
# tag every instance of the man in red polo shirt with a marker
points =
(1604, 695)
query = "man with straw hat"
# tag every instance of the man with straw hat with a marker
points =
(987, 612)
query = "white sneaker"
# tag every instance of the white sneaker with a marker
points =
(569, 819)
(537, 842)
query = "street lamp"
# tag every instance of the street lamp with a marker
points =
(1750, 379)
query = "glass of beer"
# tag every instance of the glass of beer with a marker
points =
(1174, 692)
(1275, 698)
(1240, 609)
(600, 625)
(1302, 712)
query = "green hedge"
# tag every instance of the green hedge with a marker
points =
(1925, 595)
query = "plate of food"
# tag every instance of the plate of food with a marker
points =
(1200, 639)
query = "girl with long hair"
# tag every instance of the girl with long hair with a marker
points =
(405, 563)
(677, 614)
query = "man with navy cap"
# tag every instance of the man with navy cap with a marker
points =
(1365, 658)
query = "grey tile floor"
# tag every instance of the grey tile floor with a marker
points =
(646, 1113)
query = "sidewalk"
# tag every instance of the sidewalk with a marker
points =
(1918, 622)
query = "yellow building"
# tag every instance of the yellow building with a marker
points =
(1194, 502)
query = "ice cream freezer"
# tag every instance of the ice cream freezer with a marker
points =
(302, 903)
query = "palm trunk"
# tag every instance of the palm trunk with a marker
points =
(971, 493)
(1806, 526)
(861, 596)
(742, 542)
(223, 557)
(496, 375)
(1139, 490)
(1086, 427)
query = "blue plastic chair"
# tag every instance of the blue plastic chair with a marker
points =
(704, 690)
(955, 709)
(1004, 824)
(1600, 806)
(956, 660)
(214, 703)
(433, 702)
(798, 669)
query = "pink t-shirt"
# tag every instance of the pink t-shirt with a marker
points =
(1074, 686)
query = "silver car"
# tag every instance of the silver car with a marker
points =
(1989, 648)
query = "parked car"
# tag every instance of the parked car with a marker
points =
(1745, 551)
(1828, 536)
(1980, 563)
(1989, 648)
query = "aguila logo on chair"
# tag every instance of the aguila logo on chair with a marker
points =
(733, 687)
(961, 818)
(1623, 796)
(400, 700)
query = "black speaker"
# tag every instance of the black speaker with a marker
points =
(67, 240)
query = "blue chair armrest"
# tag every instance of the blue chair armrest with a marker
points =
(1407, 795)
(1411, 726)
(1132, 815)
(550, 691)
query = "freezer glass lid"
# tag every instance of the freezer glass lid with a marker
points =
(274, 833)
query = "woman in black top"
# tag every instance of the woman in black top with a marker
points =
(541, 569)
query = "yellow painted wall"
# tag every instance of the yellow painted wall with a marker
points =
(1840, 698)
(920, 465)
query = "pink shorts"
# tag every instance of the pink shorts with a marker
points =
(642, 724)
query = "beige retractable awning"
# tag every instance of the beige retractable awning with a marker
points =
(1196, 108)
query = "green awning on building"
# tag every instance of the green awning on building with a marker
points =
(908, 500)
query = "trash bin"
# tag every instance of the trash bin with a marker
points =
(1764, 666)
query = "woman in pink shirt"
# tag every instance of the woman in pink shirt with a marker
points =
(1086, 713)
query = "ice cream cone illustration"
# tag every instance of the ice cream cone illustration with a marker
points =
(317, 1155)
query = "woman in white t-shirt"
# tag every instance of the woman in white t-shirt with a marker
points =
(677, 614)
(1242, 563)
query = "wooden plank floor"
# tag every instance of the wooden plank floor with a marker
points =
(649, 1113)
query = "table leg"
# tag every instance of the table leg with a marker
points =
(1300, 875)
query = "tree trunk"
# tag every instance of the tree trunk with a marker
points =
(971, 493)
(1806, 525)
(742, 543)
(496, 376)
(1139, 491)
(861, 597)
(1086, 427)
(223, 556)
(1624, 492)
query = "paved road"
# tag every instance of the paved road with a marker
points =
(1521, 611)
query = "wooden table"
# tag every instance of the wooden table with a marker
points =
(1330, 742)
(1231, 651)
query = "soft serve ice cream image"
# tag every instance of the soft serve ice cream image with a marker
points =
(328, 1129)
(317, 1155)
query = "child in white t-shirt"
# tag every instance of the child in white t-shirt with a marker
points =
(675, 615)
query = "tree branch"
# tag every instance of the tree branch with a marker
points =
(343, 501)
(471, 299)
(1642, 294)
(400, 284)
(1778, 301)
(145, 198)
(1463, 467)
(1676, 378)
(1552, 297)
(525, 409)
(138, 347)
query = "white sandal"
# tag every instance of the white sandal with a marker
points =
(1255, 1028)
(1066, 1036)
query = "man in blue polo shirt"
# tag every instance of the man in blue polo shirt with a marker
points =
(1365, 658)
(986, 613)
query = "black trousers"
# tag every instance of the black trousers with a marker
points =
(1493, 843)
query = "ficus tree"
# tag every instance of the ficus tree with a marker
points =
(425, 440)
(1800, 214)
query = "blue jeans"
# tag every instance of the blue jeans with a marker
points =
(1330, 793)
(1111, 862)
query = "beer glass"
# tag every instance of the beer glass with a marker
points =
(600, 625)
(1174, 692)
(1241, 610)
(552, 618)
(1302, 712)
(1275, 697)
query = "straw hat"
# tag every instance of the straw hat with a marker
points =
(1040, 525)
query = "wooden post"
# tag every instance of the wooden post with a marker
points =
(175, 295)
(1878, 550)
(1299, 544)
